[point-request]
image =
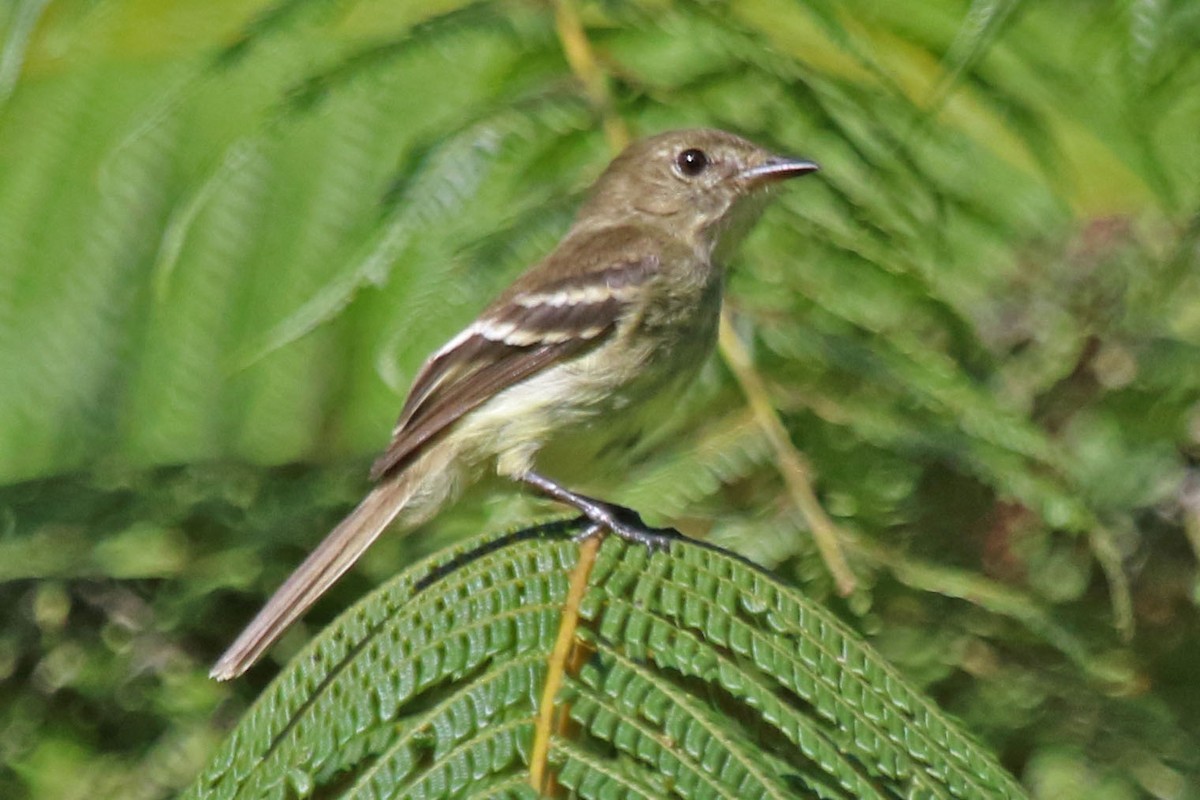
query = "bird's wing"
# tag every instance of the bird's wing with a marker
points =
(528, 329)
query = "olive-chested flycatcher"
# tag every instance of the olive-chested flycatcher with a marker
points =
(565, 364)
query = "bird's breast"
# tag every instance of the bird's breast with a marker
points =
(575, 421)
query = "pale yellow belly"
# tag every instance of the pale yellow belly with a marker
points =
(577, 424)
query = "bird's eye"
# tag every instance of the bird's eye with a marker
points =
(691, 162)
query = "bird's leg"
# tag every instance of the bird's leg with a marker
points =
(624, 522)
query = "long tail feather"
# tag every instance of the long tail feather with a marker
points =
(336, 554)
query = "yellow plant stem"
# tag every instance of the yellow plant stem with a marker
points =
(582, 60)
(558, 664)
(791, 465)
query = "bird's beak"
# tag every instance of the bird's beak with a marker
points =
(776, 169)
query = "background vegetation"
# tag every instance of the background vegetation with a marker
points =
(230, 231)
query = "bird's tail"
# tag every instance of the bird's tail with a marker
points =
(417, 492)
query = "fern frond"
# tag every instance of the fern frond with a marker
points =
(707, 678)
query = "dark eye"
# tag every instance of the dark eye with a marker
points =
(691, 162)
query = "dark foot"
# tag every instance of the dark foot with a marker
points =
(624, 522)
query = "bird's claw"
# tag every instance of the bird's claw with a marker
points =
(627, 524)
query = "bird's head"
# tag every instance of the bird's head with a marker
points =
(703, 184)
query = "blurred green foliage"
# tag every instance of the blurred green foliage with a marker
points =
(230, 231)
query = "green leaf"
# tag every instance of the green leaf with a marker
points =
(707, 678)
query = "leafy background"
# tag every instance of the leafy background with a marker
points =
(230, 231)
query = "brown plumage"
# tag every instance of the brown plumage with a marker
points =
(567, 360)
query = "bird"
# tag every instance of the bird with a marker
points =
(569, 363)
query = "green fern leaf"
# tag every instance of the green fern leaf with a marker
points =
(701, 676)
